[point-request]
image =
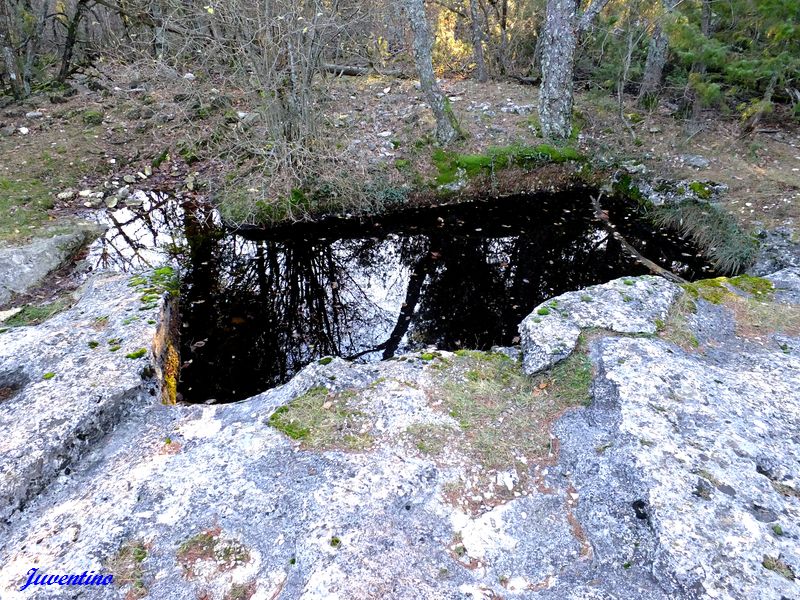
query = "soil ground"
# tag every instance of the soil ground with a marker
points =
(122, 118)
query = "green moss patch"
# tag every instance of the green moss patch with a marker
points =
(758, 287)
(137, 354)
(323, 420)
(33, 315)
(451, 166)
(718, 290)
(155, 284)
(711, 290)
(93, 117)
(701, 190)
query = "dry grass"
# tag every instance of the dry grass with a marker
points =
(209, 545)
(756, 319)
(126, 566)
(430, 439)
(676, 328)
(504, 416)
(241, 591)
(779, 566)
(748, 298)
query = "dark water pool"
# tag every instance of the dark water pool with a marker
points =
(256, 307)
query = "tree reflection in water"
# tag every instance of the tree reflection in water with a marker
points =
(256, 309)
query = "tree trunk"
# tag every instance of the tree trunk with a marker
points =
(69, 43)
(699, 68)
(477, 41)
(504, 37)
(559, 40)
(654, 67)
(447, 129)
(15, 74)
(159, 33)
(656, 59)
(32, 46)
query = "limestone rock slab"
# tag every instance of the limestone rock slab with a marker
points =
(627, 305)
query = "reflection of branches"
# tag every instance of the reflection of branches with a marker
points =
(419, 272)
(132, 239)
(413, 292)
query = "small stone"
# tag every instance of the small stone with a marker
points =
(111, 201)
(129, 179)
(85, 193)
(34, 114)
(189, 77)
(24, 130)
(385, 134)
(695, 160)
(763, 514)
(7, 314)
(66, 195)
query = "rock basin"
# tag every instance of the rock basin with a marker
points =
(678, 479)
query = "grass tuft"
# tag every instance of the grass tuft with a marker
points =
(730, 249)
(776, 564)
(209, 546)
(429, 438)
(127, 568)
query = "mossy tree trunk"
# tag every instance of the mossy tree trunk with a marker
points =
(71, 40)
(447, 128)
